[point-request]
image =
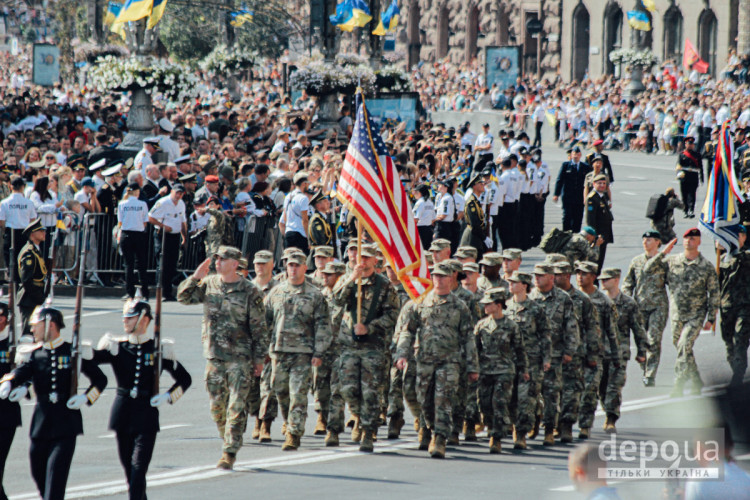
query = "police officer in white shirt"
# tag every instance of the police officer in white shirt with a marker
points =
(541, 191)
(424, 214)
(169, 214)
(483, 147)
(165, 141)
(296, 215)
(494, 196)
(507, 213)
(132, 217)
(144, 157)
(446, 213)
(16, 212)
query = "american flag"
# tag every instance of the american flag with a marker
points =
(370, 187)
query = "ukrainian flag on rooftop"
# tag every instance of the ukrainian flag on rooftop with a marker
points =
(388, 20)
(351, 14)
(637, 19)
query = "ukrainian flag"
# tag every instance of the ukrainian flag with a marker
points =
(241, 17)
(638, 20)
(351, 14)
(133, 10)
(388, 18)
(113, 10)
(156, 12)
(649, 5)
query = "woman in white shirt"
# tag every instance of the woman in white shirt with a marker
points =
(424, 214)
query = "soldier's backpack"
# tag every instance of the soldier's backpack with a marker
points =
(657, 206)
(555, 240)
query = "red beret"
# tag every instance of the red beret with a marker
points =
(693, 231)
(212, 178)
(598, 142)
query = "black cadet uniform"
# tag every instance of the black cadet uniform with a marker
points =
(133, 419)
(10, 411)
(54, 427)
(599, 216)
(32, 276)
(691, 172)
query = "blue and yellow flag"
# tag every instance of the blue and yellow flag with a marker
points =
(351, 14)
(133, 10)
(649, 5)
(156, 12)
(241, 17)
(113, 10)
(388, 20)
(638, 20)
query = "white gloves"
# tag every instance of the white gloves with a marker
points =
(488, 242)
(5, 389)
(75, 402)
(18, 393)
(160, 399)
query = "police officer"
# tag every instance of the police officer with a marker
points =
(32, 272)
(168, 214)
(57, 421)
(690, 173)
(10, 410)
(16, 212)
(135, 415)
(132, 218)
(446, 214)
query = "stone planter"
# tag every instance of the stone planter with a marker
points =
(328, 110)
(635, 86)
(140, 121)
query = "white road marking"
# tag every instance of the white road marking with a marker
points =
(163, 427)
(629, 193)
(637, 178)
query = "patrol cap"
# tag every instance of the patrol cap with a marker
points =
(187, 178)
(455, 265)
(179, 188)
(512, 253)
(113, 170)
(588, 230)
(242, 264)
(477, 177)
(693, 231)
(553, 258)
(334, 268)
(182, 159)
(494, 295)
(439, 244)
(297, 258)
(609, 273)
(299, 178)
(466, 252)
(323, 251)
(35, 225)
(369, 251)
(470, 267)
(289, 251)
(543, 269)
(262, 256)
(442, 269)
(585, 266)
(492, 259)
(600, 177)
(88, 182)
(562, 268)
(227, 252)
(351, 244)
(97, 165)
(521, 277)
(651, 234)
(154, 141)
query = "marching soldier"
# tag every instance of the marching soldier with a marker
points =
(664, 225)
(219, 227)
(440, 248)
(235, 340)
(440, 329)
(599, 215)
(475, 233)
(693, 302)
(583, 246)
(320, 257)
(57, 422)
(10, 410)
(650, 293)
(491, 264)
(734, 277)
(300, 337)
(32, 273)
(135, 414)
(628, 320)
(501, 354)
(689, 173)
(363, 342)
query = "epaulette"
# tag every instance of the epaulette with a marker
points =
(167, 349)
(24, 351)
(109, 343)
(87, 351)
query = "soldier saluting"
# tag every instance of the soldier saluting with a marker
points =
(32, 273)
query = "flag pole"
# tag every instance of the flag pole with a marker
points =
(718, 265)
(359, 280)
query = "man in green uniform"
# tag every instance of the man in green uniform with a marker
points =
(32, 273)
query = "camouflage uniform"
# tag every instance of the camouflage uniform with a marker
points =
(535, 331)
(484, 283)
(613, 378)
(218, 229)
(465, 406)
(694, 296)
(261, 401)
(235, 338)
(301, 330)
(440, 330)
(362, 359)
(578, 248)
(734, 277)
(665, 224)
(650, 293)
(592, 375)
(501, 354)
(322, 374)
(403, 384)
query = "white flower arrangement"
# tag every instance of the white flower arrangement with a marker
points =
(175, 82)
(393, 79)
(644, 58)
(223, 60)
(320, 78)
(351, 60)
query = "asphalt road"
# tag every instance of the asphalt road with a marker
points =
(188, 445)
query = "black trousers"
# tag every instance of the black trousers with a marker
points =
(425, 236)
(482, 160)
(50, 465)
(688, 187)
(602, 254)
(538, 231)
(526, 220)
(26, 313)
(509, 226)
(135, 451)
(572, 216)
(6, 439)
(134, 245)
(446, 230)
(20, 242)
(537, 135)
(171, 256)
(295, 239)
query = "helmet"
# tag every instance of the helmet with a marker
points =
(47, 313)
(136, 307)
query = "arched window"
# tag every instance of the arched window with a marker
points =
(580, 56)
(673, 33)
(612, 34)
(707, 28)
(471, 32)
(442, 32)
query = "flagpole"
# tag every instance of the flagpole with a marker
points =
(359, 280)
(718, 265)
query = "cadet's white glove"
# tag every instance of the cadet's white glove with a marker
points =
(5, 389)
(18, 393)
(75, 402)
(160, 399)
(488, 242)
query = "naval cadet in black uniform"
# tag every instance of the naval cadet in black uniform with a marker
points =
(690, 173)
(9, 408)
(475, 234)
(599, 215)
(57, 421)
(135, 413)
(32, 273)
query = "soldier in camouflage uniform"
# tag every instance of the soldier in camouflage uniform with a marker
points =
(694, 297)
(472, 415)
(219, 230)
(300, 337)
(588, 357)
(491, 264)
(628, 320)
(734, 279)
(363, 341)
(319, 257)
(322, 374)
(439, 328)
(501, 354)
(586, 278)
(235, 341)
(440, 249)
(512, 259)
(535, 330)
(583, 246)
(664, 225)
(466, 254)
(650, 293)
(564, 339)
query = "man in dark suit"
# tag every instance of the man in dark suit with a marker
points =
(599, 216)
(606, 165)
(570, 182)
